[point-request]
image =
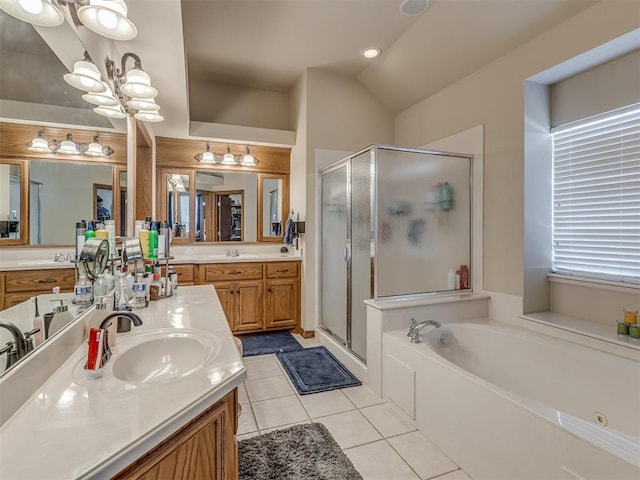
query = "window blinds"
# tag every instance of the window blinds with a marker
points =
(596, 196)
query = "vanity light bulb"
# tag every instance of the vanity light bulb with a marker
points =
(107, 19)
(207, 157)
(34, 7)
(149, 116)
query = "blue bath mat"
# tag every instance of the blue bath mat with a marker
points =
(270, 343)
(314, 370)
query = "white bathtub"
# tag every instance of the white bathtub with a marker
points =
(505, 402)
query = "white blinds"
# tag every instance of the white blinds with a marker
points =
(596, 196)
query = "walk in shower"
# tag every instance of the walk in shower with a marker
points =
(393, 222)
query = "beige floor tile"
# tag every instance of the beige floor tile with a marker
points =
(257, 358)
(247, 422)
(387, 420)
(326, 403)
(263, 367)
(242, 394)
(424, 457)
(350, 428)
(279, 411)
(269, 387)
(362, 396)
(247, 435)
(457, 475)
(378, 461)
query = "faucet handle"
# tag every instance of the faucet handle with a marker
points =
(412, 327)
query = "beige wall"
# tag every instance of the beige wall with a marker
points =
(494, 96)
(238, 106)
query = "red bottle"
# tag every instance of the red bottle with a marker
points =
(464, 277)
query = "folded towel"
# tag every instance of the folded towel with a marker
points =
(288, 232)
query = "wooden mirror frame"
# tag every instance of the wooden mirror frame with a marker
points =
(161, 211)
(285, 206)
(23, 238)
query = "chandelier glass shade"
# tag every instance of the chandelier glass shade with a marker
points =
(42, 13)
(108, 18)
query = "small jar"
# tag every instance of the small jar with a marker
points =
(631, 316)
(623, 328)
(634, 331)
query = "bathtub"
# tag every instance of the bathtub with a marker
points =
(505, 402)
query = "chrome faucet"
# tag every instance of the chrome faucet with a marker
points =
(135, 320)
(414, 330)
(61, 257)
(232, 252)
(19, 347)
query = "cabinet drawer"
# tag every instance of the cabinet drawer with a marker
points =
(282, 269)
(185, 274)
(233, 271)
(39, 280)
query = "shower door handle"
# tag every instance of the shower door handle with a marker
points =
(347, 254)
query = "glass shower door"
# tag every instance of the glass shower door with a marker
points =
(334, 227)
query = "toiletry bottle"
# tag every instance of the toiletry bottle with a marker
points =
(451, 280)
(61, 318)
(139, 297)
(90, 232)
(94, 353)
(121, 295)
(153, 240)
(110, 226)
(101, 232)
(144, 238)
(100, 288)
(464, 277)
(38, 323)
(155, 290)
(109, 279)
(164, 239)
(83, 292)
(81, 228)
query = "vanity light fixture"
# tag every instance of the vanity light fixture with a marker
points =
(104, 17)
(411, 8)
(39, 144)
(228, 158)
(108, 18)
(207, 157)
(133, 89)
(42, 13)
(85, 76)
(104, 98)
(68, 147)
(248, 160)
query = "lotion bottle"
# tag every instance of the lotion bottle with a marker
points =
(144, 239)
(451, 280)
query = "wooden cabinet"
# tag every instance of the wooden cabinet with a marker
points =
(19, 285)
(204, 449)
(257, 296)
(186, 274)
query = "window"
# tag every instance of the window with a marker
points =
(596, 196)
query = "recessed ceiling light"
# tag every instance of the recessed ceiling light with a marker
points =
(371, 52)
(412, 8)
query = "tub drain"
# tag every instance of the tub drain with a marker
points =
(600, 418)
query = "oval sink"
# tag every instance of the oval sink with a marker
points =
(163, 358)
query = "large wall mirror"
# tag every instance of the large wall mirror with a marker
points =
(220, 203)
(43, 195)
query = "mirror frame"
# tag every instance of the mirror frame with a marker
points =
(285, 207)
(24, 207)
(174, 155)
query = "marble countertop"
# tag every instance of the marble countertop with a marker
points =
(72, 427)
(12, 261)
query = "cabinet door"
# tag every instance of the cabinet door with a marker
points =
(282, 303)
(249, 313)
(227, 296)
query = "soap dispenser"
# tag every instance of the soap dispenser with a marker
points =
(61, 318)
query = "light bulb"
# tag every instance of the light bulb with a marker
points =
(34, 7)
(107, 19)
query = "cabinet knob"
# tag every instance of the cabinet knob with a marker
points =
(232, 292)
(269, 289)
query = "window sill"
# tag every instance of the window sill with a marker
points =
(620, 287)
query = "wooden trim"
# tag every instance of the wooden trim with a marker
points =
(161, 211)
(23, 238)
(117, 212)
(143, 174)
(307, 333)
(16, 136)
(180, 153)
(285, 206)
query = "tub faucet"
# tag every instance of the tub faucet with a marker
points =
(106, 350)
(414, 330)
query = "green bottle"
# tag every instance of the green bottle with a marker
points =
(90, 232)
(153, 240)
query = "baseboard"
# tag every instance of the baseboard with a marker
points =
(307, 333)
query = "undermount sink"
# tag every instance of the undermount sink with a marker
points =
(162, 357)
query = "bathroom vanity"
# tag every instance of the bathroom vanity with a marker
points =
(165, 406)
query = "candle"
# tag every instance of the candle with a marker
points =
(631, 316)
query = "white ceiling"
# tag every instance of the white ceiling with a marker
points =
(268, 44)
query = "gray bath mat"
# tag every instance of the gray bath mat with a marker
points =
(301, 452)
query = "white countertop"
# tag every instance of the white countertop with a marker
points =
(73, 427)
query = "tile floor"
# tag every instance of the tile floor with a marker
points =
(380, 441)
